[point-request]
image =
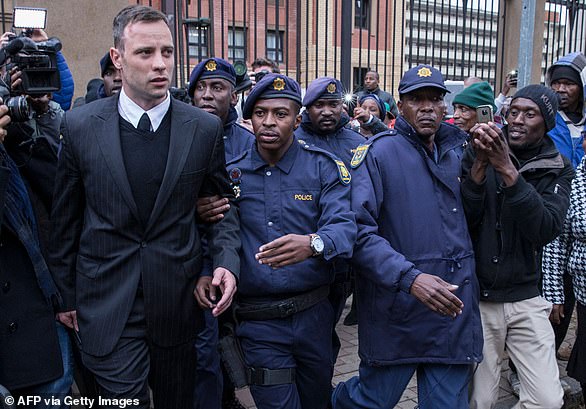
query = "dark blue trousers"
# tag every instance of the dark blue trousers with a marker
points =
(302, 341)
(439, 386)
(209, 381)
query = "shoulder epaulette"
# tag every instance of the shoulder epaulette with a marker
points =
(343, 173)
(362, 149)
(238, 157)
(245, 129)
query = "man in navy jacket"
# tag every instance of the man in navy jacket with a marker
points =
(416, 288)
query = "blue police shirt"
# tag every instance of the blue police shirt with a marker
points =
(237, 139)
(301, 194)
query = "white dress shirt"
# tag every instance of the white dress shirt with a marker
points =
(130, 111)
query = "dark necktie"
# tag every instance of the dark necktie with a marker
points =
(145, 123)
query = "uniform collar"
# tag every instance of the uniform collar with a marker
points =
(232, 118)
(446, 138)
(286, 162)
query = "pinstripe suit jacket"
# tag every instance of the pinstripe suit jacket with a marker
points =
(101, 249)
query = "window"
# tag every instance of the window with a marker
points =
(197, 39)
(361, 13)
(358, 76)
(275, 45)
(236, 38)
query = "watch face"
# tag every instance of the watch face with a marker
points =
(318, 244)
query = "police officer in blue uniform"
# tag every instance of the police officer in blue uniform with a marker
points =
(416, 286)
(211, 87)
(323, 124)
(294, 202)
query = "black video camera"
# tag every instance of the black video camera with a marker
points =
(38, 64)
(260, 75)
(36, 61)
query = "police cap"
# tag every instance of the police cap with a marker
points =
(272, 86)
(322, 88)
(421, 76)
(211, 68)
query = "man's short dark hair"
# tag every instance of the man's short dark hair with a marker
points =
(134, 14)
(373, 72)
(266, 62)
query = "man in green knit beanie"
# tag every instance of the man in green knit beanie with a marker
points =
(466, 102)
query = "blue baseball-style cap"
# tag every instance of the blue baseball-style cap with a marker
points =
(420, 77)
(322, 88)
(211, 68)
(105, 62)
(272, 86)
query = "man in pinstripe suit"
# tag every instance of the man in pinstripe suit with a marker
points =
(126, 250)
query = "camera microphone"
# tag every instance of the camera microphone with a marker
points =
(11, 48)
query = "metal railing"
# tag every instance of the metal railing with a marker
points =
(564, 31)
(310, 38)
(305, 37)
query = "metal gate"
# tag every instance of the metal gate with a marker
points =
(305, 36)
(310, 38)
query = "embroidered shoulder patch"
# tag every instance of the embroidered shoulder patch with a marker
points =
(236, 178)
(343, 173)
(359, 155)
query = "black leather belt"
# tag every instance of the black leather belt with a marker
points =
(271, 377)
(280, 309)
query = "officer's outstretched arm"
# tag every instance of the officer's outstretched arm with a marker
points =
(286, 250)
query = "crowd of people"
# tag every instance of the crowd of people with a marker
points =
(159, 252)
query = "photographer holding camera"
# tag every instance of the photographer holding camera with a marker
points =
(36, 119)
(34, 349)
(64, 95)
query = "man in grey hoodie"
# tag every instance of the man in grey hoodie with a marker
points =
(567, 78)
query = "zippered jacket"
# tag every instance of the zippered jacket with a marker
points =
(510, 225)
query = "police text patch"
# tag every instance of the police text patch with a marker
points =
(303, 198)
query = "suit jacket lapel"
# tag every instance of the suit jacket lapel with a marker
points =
(183, 128)
(106, 125)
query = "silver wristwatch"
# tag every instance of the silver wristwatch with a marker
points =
(316, 244)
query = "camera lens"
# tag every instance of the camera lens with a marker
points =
(240, 68)
(259, 75)
(18, 109)
(484, 112)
